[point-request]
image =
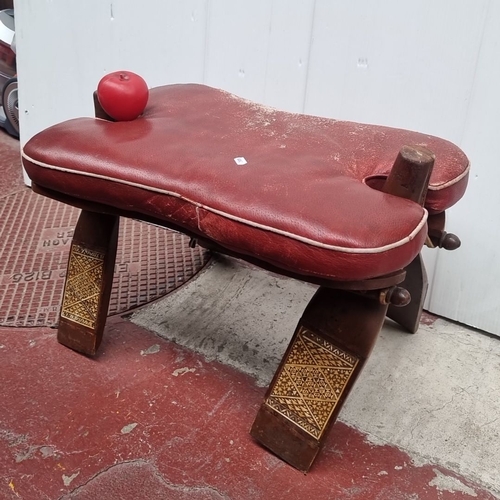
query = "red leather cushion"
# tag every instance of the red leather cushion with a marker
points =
(299, 202)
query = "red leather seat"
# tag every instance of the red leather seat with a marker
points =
(287, 189)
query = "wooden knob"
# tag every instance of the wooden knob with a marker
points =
(450, 241)
(396, 296)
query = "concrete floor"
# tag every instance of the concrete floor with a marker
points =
(433, 394)
(163, 411)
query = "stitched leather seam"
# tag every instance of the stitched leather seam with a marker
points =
(302, 239)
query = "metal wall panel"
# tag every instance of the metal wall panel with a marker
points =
(466, 285)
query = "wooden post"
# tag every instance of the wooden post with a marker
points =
(99, 112)
(331, 344)
(409, 178)
(89, 280)
(410, 174)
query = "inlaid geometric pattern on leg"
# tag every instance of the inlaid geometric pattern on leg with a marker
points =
(83, 286)
(311, 382)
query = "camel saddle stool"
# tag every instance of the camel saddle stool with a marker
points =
(343, 205)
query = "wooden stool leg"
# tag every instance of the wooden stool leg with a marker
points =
(89, 280)
(416, 283)
(328, 350)
(409, 178)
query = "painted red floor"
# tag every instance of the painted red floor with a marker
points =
(146, 419)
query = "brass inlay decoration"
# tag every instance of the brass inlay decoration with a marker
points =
(83, 286)
(311, 382)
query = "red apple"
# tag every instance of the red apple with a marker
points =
(123, 95)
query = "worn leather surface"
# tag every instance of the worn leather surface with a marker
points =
(299, 202)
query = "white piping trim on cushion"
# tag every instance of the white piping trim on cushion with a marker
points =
(302, 239)
(432, 187)
(438, 187)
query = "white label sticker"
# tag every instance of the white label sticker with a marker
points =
(240, 161)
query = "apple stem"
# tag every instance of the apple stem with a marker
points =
(124, 76)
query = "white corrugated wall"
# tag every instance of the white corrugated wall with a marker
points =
(428, 65)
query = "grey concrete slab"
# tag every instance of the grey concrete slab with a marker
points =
(234, 313)
(434, 394)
